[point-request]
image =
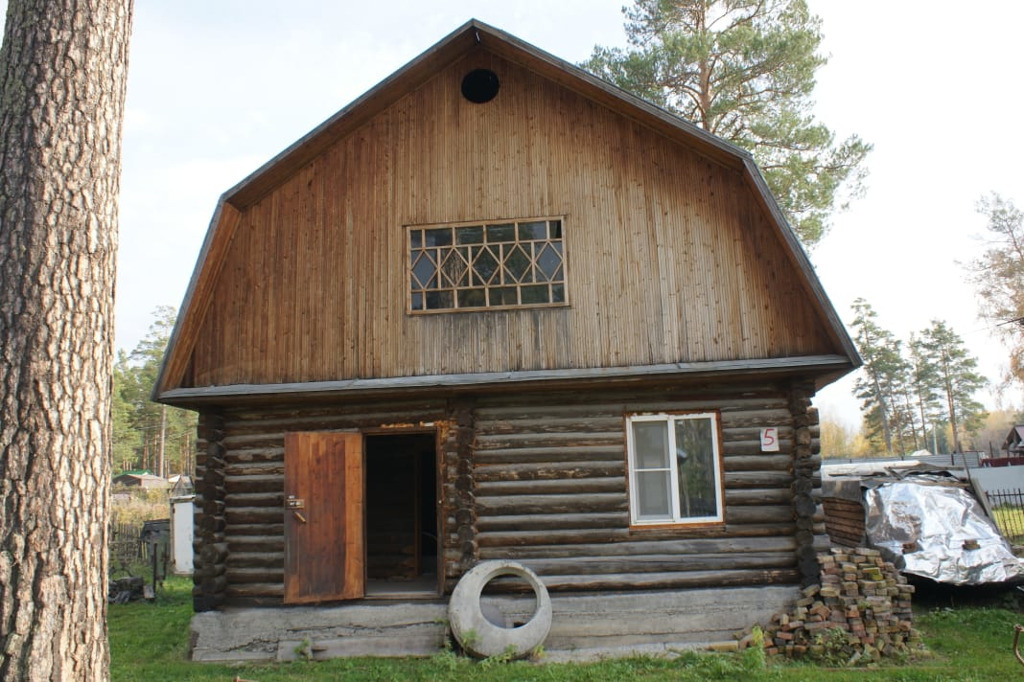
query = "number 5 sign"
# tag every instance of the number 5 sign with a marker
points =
(770, 439)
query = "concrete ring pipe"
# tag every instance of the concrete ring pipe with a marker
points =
(481, 638)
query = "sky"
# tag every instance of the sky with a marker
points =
(218, 88)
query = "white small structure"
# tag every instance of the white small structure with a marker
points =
(182, 530)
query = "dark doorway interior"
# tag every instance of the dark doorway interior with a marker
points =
(401, 514)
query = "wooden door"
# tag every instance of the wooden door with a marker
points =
(323, 517)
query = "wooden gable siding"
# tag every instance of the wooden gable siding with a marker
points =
(670, 258)
(537, 478)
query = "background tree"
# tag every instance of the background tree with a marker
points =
(989, 438)
(125, 440)
(999, 276)
(743, 70)
(881, 375)
(63, 70)
(924, 385)
(840, 440)
(958, 379)
(159, 438)
(908, 397)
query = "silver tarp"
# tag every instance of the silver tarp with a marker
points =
(939, 532)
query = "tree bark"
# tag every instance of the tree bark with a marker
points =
(63, 70)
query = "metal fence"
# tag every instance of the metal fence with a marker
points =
(1008, 509)
(126, 546)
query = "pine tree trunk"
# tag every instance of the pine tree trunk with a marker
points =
(63, 71)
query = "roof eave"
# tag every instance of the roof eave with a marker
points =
(821, 368)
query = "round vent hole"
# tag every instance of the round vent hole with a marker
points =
(480, 85)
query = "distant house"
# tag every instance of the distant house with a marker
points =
(1014, 443)
(141, 480)
(498, 308)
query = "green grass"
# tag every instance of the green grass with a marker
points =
(149, 641)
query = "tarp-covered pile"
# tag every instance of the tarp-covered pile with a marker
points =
(939, 532)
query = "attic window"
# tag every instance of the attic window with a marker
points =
(492, 265)
(480, 85)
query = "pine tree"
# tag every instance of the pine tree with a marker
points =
(63, 71)
(745, 71)
(958, 378)
(925, 387)
(161, 435)
(881, 375)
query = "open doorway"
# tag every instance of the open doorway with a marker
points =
(401, 514)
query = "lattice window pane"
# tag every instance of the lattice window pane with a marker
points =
(486, 265)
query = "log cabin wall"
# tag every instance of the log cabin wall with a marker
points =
(541, 479)
(253, 483)
(670, 258)
(550, 482)
(210, 549)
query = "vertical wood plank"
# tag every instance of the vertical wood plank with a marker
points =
(670, 258)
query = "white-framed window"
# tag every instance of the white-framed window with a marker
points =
(675, 469)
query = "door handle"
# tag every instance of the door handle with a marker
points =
(299, 515)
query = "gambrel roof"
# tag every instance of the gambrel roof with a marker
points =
(172, 386)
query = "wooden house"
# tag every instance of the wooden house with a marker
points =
(498, 308)
(1014, 443)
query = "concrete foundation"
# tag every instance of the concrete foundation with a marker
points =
(583, 626)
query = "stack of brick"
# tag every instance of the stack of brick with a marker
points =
(861, 609)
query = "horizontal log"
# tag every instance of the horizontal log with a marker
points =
(254, 515)
(534, 471)
(753, 432)
(571, 538)
(758, 479)
(628, 547)
(772, 462)
(552, 453)
(753, 447)
(553, 521)
(265, 483)
(664, 581)
(581, 422)
(548, 537)
(576, 439)
(545, 408)
(261, 438)
(732, 407)
(256, 543)
(758, 496)
(750, 397)
(312, 417)
(250, 590)
(569, 485)
(267, 560)
(240, 530)
(550, 504)
(257, 499)
(759, 514)
(270, 453)
(246, 469)
(237, 576)
(768, 414)
(662, 563)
